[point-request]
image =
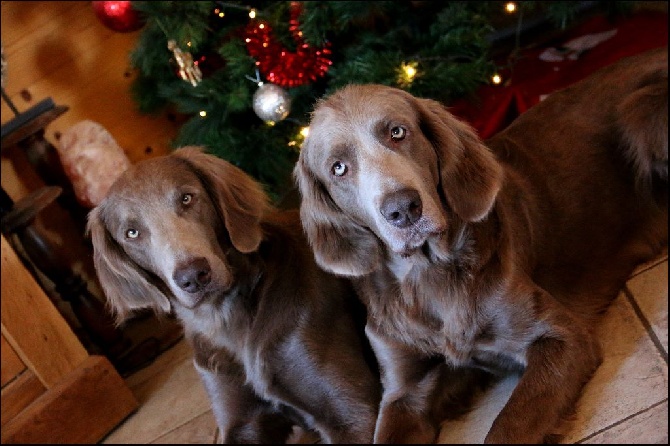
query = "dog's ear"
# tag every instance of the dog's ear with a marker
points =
(470, 174)
(240, 199)
(125, 284)
(340, 245)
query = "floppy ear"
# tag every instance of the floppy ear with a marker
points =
(126, 286)
(339, 244)
(240, 199)
(470, 174)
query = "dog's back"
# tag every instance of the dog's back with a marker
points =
(606, 135)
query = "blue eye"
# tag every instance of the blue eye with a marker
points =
(339, 169)
(132, 233)
(398, 133)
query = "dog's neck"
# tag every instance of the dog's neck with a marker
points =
(229, 310)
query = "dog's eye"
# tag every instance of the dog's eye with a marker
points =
(339, 169)
(398, 133)
(132, 233)
(186, 198)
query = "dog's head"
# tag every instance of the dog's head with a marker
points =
(162, 234)
(382, 169)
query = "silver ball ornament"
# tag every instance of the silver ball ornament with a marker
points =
(271, 102)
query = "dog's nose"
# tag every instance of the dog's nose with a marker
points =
(193, 275)
(402, 208)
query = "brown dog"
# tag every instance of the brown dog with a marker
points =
(277, 341)
(496, 257)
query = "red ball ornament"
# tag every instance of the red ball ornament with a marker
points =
(118, 16)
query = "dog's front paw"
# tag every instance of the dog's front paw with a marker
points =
(397, 425)
(520, 434)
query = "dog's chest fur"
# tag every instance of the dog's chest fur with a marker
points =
(415, 301)
(227, 322)
(215, 320)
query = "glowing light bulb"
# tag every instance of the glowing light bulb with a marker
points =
(203, 113)
(496, 79)
(304, 131)
(406, 73)
(252, 13)
(510, 7)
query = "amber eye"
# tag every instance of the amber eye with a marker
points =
(132, 233)
(398, 133)
(339, 168)
(186, 198)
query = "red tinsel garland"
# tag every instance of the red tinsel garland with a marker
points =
(276, 63)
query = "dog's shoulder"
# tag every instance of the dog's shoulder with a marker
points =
(282, 219)
(288, 258)
(282, 230)
(284, 247)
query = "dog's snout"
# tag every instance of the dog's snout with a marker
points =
(193, 275)
(402, 208)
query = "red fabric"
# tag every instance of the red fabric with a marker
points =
(494, 107)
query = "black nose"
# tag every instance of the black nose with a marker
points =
(402, 208)
(193, 275)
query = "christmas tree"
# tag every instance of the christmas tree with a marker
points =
(247, 74)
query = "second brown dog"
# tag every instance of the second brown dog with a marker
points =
(496, 256)
(277, 341)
